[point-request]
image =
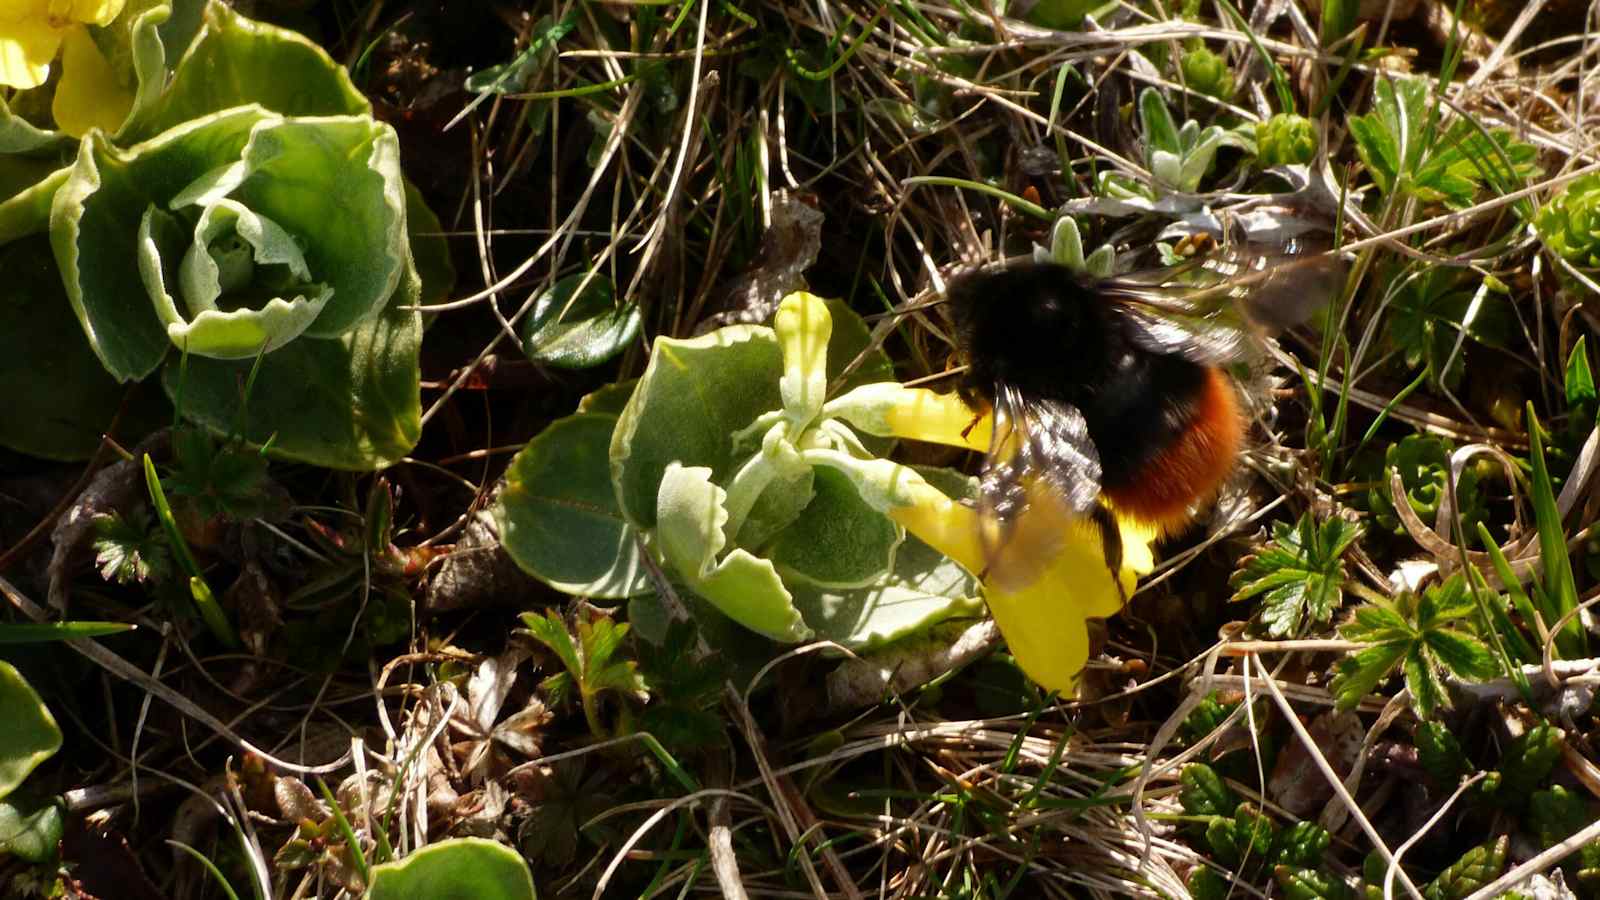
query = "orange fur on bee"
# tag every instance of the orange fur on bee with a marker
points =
(1191, 468)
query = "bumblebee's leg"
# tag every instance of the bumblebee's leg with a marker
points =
(977, 404)
(1110, 545)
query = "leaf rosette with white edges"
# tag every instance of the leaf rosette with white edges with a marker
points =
(232, 235)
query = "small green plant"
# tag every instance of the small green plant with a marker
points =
(1569, 225)
(754, 492)
(1299, 576)
(1066, 248)
(1423, 463)
(131, 549)
(1286, 139)
(1435, 311)
(1427, 635)
(589, 657)
(1179, 158)
(218, 220)
(1406, 152)
(1206, 72)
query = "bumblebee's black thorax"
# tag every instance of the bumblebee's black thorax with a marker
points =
(1050, 334)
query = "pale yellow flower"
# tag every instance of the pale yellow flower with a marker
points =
(33, 32)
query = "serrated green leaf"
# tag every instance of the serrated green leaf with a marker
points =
(1441, 754)
(1361, 672)
(1204, 793)
(1309, 884)
(1462, 654)
(1476, 868)
(1301, 577)
(130, 551)
(549, 629)
(1427, 690)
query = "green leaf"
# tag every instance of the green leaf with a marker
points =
(234, 61)
(1204, 793)
(923, 588)
(452, 869)
(1301, 575)
(1360, 672)
(30, 736)
(558, 515)
(548, 629)
(1205, 884)
(430, 249)
(572, 330)
(691, 515)
(1527, 762)
(1416, 633)
(331, 183)
(1556, 814)
(353, 403)
(130, 551)
(1309, 884)
(1155, 121)
(59, 400)
(1560, 590)
(838, 541)
(694, 394)
(1302, 845)
(1475, 869)
(1441, 754)
(511, 77)
(31, 834)
(37, 632)
(1247, 836)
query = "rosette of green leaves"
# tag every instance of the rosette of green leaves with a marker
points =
(248, 204)
(1570, 223)
(1286, 139)
(1423, 462)
(1180, 157)
(723, 464)
(245, 229)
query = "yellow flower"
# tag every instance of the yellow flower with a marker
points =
(33, 31)
(1044, 618)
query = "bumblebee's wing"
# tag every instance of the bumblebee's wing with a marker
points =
(1042, 470)
(1220, 314)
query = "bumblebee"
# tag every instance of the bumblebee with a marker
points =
(1110, 396)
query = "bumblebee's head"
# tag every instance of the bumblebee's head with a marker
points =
(1026, 323)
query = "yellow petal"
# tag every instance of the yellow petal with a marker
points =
(26, 48)
(89, 95)
(1045, 623)
(87, 12)
(924, 415)
(1046, 633)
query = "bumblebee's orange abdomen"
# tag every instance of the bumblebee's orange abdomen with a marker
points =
(1193, 465)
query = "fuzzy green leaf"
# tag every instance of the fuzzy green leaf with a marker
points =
(558, 516)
